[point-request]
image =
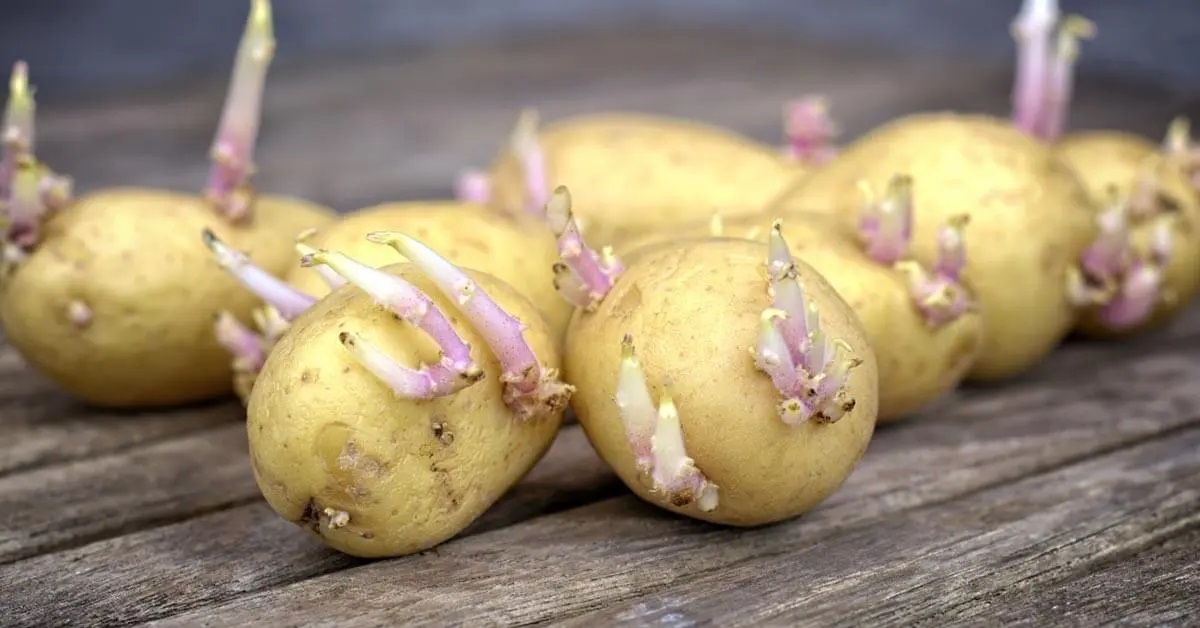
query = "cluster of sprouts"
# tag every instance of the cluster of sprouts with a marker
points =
(529, 388)
(582, 276)
(809, 368)
(29, 190)
(1120, 281)
(885, 230)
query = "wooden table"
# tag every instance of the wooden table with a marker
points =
(1068, 496)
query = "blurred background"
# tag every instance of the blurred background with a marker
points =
(84, 44)
(371, 98)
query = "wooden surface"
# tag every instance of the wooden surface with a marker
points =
(1071, 495)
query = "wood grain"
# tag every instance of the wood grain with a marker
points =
(622, 548)
(42, 425)
(919, 568)
(216, 557)
(74, 503)
(1157, 586)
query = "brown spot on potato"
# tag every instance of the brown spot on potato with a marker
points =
(441, 431)
(1168, 204)
(681, 498)
(311, 516)
(446, 483)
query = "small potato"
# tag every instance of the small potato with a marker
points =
(518, 251)
(712, 399)
(919, 359)
(1155, 199)
(634, 173)
(376, 458)
(1030, 220)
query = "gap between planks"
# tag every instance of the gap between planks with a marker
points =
(913, 464)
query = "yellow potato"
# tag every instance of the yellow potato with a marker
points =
(1030, 219)
(918, 363)
(694, 313)
(1114, 160)
(521, 252)
(633, 173)
(372, 474)
(116, 303)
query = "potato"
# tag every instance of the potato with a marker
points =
(707, 396)
(518, 251)
(1030, 219)
(276, 223)
(117, 309)
(919, 360)
(633, 173)
(1154, 194)
(349, 444)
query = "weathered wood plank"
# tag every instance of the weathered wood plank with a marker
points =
(69, 504)
(583, 559)
(366, 129)
(916, 569)
(1157, 586)
(213, 558)
(42, 425)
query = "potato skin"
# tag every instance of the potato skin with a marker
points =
(276, 222)
(632, 173)
(917, 364)
(1104, 158)
(153, 290)
(1030, 220)
(693, 310)
(325, 433)
(519, 252)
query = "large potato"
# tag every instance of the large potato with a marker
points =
(694, 310)
(116, 304)
(372, 474)
(917, 362)
(633, 173)
(1030, 219)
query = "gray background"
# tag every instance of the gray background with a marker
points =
(85, 45)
